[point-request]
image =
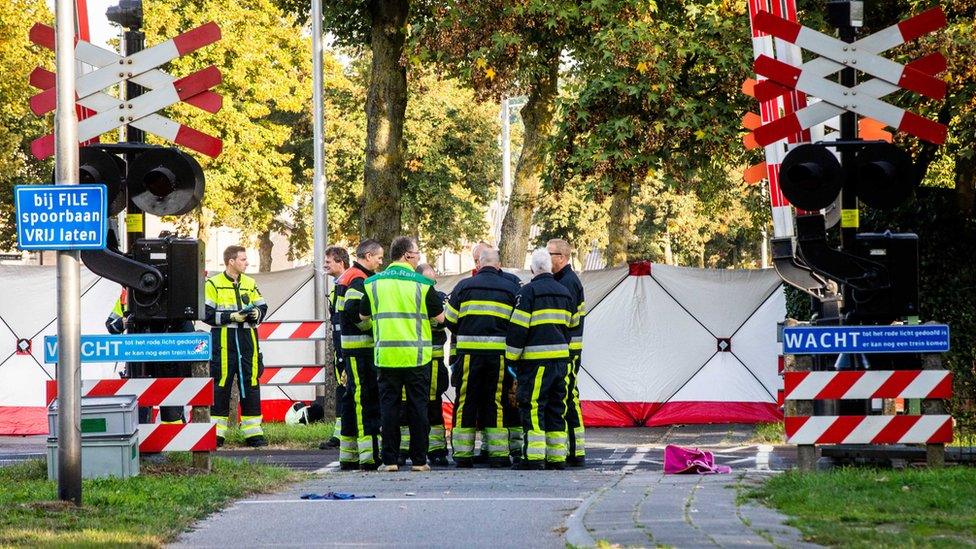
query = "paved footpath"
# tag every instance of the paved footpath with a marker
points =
(621, 498)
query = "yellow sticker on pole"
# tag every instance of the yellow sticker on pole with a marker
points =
(133, 223)
(850, 219)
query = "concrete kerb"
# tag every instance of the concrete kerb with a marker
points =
(576, 533)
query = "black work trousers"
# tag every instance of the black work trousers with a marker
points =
(542, 402)
(415, 382)
(360, 411)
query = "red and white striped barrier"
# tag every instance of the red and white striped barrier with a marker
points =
(868, 384)
(928, 429)
(293, 330)
(177, 437)
(164, 391)
(293, 375)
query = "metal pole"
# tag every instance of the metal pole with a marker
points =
(68, 263)
(506, 152)
(320, 211)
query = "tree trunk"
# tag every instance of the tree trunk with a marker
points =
(537, 114)
(619, 225)
(386, 102)
(668, 252)
(265, 246)
(204, 218)
(965, 177)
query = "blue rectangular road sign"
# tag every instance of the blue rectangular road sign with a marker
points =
(183, 347)
(820, 340)
(61, 217)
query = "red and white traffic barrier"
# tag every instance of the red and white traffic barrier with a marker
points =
(293, 375)
(296, 330)
(177, 437)
(163, 391)
(928, 429)
(868, 384)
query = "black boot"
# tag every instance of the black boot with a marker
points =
(463, 463)
(555, 465)
(573, 461)
(256, 442)
(526, 465)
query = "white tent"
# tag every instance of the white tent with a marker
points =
(28, 310)
(651, 354)
(679, 345)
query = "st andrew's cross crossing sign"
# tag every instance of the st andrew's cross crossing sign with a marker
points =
(140, 68)
(863, 56)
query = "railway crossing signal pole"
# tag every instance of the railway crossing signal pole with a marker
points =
(68, 263)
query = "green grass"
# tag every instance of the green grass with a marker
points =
(144, 511)
(280, 435)
(769, 433)
(856, 507)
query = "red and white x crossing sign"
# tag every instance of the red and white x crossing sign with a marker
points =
(863, 55)
(140, 68)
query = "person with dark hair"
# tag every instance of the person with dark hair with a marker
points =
(401, 305)
(336, 263)
(234, 307)
(359, 435)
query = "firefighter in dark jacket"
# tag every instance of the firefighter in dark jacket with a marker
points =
(234, 307)
(336, 263)
(538, 342)
(478, 312)
(359, 438)
(561, 252)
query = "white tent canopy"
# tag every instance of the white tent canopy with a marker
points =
(651, 345)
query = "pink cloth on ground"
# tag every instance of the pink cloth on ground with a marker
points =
(678, 461)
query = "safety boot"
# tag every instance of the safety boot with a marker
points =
(256, 442)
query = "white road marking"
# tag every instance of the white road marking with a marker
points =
(639, 454)
(334, 466)
(375, 500)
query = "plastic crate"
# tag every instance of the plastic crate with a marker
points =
(101, 416)
(101, 456)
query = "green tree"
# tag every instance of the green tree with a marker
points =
(505, 48)
(18, 126)
(381, 27)
(264, 81)
(654, 96)
(451, 162)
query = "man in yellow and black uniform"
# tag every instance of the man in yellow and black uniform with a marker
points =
(538, 341)
(561, 252)
(359, 437)
(234, 307)
(118, 321)
(478, 311)
(401, 305)
(437, 441)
